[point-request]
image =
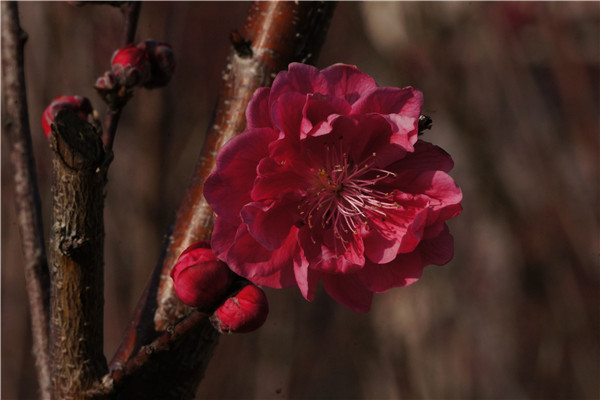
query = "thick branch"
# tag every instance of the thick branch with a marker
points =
(276, 33)
(76, 250)
(27, 198)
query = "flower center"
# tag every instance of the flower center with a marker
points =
(344, 196)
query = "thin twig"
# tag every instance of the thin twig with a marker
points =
(131, 14)
(110, 128)
(278, 33)
(27, 198)
(121, 374)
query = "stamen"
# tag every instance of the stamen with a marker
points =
(345, 196)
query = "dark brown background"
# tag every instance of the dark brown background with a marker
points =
(513, 91)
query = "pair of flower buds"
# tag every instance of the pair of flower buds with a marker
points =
(201, 280)
(149, 64)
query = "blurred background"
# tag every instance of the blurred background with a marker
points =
(513, 90)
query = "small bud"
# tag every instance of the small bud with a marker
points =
(244, 312)
(79, 104)
(130, 66)
(106, 82)
(199, 278)
(162, 62)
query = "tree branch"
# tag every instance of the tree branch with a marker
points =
(131, 15)
(276, 33)
(77, 261)
(27, 197)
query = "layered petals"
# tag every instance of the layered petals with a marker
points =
(330, 183)
(228, 188)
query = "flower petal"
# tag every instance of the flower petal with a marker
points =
(438, 250)
(227, 188)
(275, 177)
(247, 258)
(426, 157)
(401, 106)
(349, 291)
(404, 270)
(271, 224)
(286, 114)
(258, 112)
(223, 235)
(402, 232)
(300, 78)
(317, 109)
(306, 278)
(347, 82)
(434, 184)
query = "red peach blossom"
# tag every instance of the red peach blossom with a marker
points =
(330, 183)
(199, 278)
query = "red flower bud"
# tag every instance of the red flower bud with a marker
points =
(130, 66)
(199, 278)
(162, 62)
(244, 312)
(79, 104)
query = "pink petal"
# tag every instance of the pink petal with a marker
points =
(389, 100)
(435, 184)
(258, 113)
(306, 278)
(404, 225)
(317, 109)
(338, 258)
(438, 250)
(270, 225)
(347, 82)
(247, 258)
(405, 130)
(227, 189)
(404, 270)
(325, 253)
(380, 249)
(402, 106)
(369, 135)
(274, 178)
(300, 78)
(349, 291)
(281, 278)
(223, 235)
(426, 157)
(286, 113)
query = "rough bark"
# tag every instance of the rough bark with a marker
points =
(76, 253)
(276, 33)
(27, 198)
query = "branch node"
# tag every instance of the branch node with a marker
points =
(242, 46)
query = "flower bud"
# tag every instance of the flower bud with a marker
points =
(130, 66)
(79, 104)
(199, 278)
(244, 312)
(162, 62)
(106, 82)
